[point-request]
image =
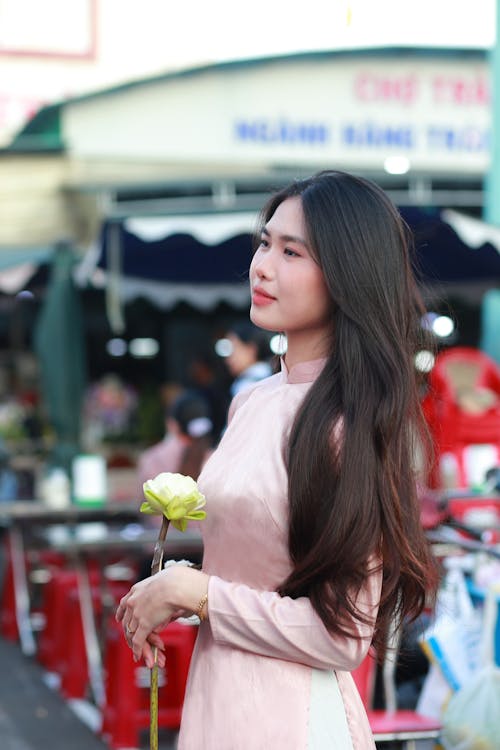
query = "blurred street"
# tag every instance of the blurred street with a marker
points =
(34, 716)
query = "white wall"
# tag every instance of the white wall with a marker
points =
(48, 49)
(351, 112)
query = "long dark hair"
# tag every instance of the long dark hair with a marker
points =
(351, 450)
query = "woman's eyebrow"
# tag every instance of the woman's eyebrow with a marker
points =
(286, 237)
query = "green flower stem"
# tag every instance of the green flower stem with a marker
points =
(153, 706)
(158, 549)
(153, 691)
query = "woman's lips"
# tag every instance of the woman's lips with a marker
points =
(260, 298)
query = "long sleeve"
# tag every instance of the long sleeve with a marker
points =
(265, 623)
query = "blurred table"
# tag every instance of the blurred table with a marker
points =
(23, 512)
(80, 533)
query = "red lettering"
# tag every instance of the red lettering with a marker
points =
(438, 87)
(372, 88)
(459, 91)
(453, 90)
(482, 91)
(363, 87)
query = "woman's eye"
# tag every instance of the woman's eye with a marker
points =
(263, 243)
(290, 252)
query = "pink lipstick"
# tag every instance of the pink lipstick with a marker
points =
(261, 298)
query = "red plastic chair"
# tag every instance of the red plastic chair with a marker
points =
(364, 679)
(462, 409)
(72, 665)
(8, 619)
(44, 561)
(392, 724)
(126, 708)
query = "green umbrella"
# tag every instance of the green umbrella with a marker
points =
(60, 347)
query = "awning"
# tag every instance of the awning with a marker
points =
(200, 259)
(18, 265)
(203, 259)
(209, 229)
(454, 251)
(474, 232)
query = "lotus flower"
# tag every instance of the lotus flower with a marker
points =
(174, 496)
(178, 499)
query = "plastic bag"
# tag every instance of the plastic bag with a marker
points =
(434, 694)
(453, 640)
(471, 720)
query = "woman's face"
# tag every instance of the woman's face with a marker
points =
(288, 288)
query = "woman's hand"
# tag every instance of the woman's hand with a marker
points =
(154, 602)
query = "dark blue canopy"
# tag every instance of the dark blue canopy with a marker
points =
(181, 258)
(441, 255)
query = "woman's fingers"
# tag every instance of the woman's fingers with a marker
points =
(148, 656)
(156, 640)
(143, 612)
(149, 659)
(129, 629)
(142, 644)
(120, 611)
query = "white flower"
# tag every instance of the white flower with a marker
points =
(174, 496)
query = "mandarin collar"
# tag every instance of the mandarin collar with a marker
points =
(302, 372)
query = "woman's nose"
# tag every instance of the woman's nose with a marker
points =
(260, 271)
(263, 267)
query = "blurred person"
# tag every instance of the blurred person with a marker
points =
(187, 443)
(208, 378)
(248, 356)
(186, 446)
(313, 546)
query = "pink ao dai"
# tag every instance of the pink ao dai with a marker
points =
(265, 673)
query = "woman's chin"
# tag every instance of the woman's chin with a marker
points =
(260, 319)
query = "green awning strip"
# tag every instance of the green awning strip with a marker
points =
(10, 257)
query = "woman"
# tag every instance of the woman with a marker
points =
(313, 541)
(185, 448)
(187, 443)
